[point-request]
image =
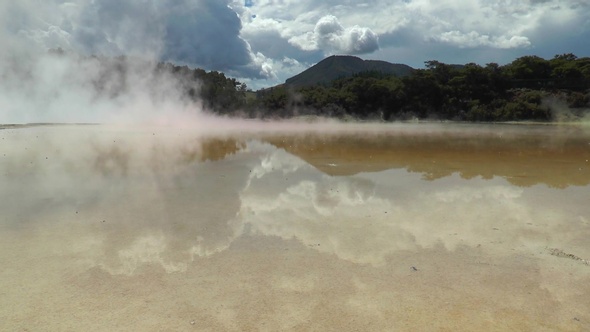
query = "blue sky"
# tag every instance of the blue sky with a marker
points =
(263, 42)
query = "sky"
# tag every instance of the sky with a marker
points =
(264, 42)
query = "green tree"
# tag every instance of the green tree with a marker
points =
(529, 67)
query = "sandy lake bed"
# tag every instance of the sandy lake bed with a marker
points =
(302, 227)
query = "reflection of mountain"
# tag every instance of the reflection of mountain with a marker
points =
(524, 158)
(367, 218)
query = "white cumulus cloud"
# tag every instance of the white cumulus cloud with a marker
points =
(249, 40)
(474, 39)
(331, 37)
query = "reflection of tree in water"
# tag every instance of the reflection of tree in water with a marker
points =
(212, 149)
(553, 157)
(144, 197)
(115, 158)
(111, 159)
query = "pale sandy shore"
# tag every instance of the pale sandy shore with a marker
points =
(400, 229)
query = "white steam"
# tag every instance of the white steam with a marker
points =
(69, 89)
(37, 85)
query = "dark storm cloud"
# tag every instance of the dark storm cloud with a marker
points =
(208, 32)
(112, 26)
(201, 33)
(204, 33)
(563, 36)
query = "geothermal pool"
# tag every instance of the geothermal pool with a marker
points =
(364, 227)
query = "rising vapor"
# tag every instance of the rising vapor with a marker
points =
(54, 87)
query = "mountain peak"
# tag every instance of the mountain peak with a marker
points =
(338, 66)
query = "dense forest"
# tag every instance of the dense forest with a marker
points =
(529, 88)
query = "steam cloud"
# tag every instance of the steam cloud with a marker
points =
(41, 86)
(71, 89)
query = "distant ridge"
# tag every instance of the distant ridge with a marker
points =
(338, 66)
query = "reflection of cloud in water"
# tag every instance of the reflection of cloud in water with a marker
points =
(469, 195)
(144, 250)
(169, 228)
(366, 217)
(166, 199)
(510, 151)
(133, 197)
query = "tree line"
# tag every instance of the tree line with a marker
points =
(526, 89)
(520, 90)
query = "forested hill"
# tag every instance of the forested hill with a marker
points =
(341, 66)
(529, 88)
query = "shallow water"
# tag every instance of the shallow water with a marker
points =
(303, 227)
